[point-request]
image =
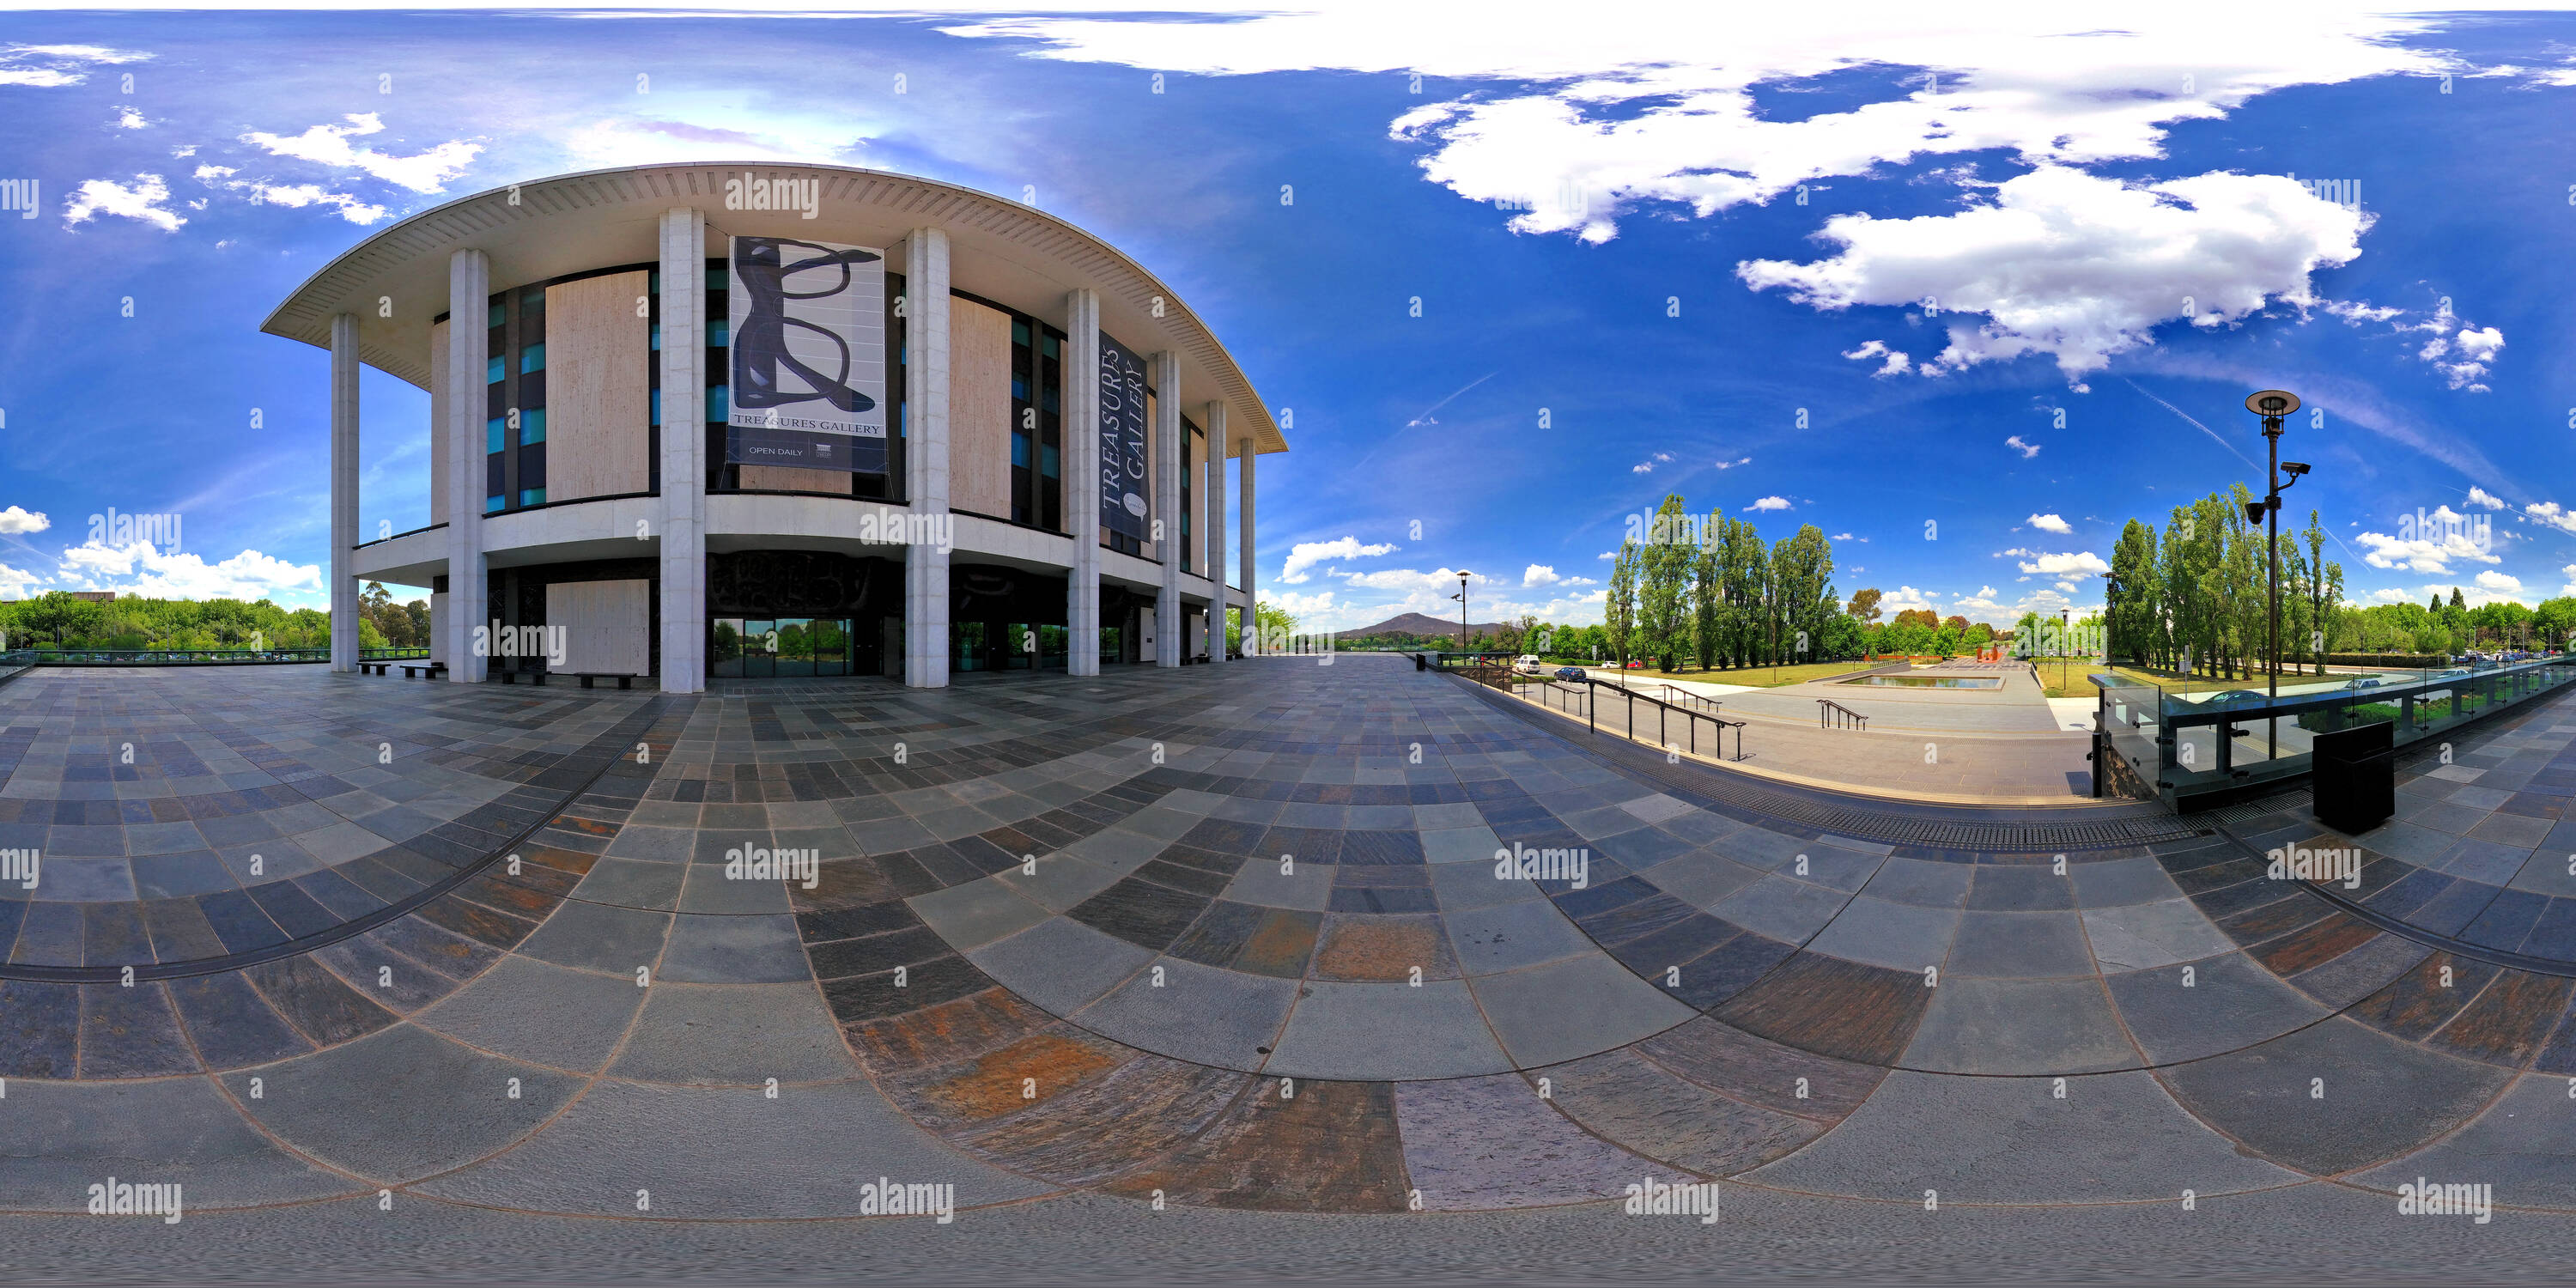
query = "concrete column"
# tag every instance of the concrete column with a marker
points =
(469, 306)
(1251, 620)
(925, 448)
(344, 492)
(1167, 505)
(684, 452)
(1082, 479)
(1213, 525)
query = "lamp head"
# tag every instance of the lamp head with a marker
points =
(2272, 403)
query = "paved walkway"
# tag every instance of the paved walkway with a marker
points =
(1231, 939)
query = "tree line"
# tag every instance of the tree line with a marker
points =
(59, 620)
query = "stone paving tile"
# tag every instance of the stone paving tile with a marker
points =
(400, 1104)
(531, 1010)
(1625, 1099)
(1757, 1071)
(1386, 1031)
(1475, 1144)
(1328, 1146)
(1193, 1012)
(2335, 1096)
(1564, 1010)
(1125, 1119)
(1832, 1007)
(2229, 1002)
(2019, 1027)
(2110, 1138)
(61, 1138)
(1893, 934)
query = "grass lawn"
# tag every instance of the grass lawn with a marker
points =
(1755, 677)
(2074, 685)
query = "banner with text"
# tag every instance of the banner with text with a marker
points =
(1123, 508)
(808, 351)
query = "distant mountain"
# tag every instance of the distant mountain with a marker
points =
(1418, 624)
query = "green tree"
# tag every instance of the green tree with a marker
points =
(1663, 590)
(1619, 606)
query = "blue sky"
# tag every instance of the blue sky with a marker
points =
(1966, 297)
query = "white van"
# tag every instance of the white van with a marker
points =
(1528, 664)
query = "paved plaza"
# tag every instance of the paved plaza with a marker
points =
(1146, 964)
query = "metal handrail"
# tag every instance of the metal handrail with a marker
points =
(1663, 711)
(199, 656)
(1831, 714)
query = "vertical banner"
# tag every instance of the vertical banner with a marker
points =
(1123, 508)
(808, 346)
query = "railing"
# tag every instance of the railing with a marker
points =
(1682, 697)
(1586, 696)
(196, 656)
(1834, 715)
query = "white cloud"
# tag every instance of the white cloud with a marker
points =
(2553, 514)
(2388, 596)
(1539, 575)
(2049, 523)
(249, 575)
(1896, 364)
(1647, 466)
(2493, 580)
(2080, 267)
(17, 519)
(1903, 599)
(1768, 503)
(329, 145)
(129, 119)
(2042, 564)
(1302, 606)
(1306, 554)
(1741, 460)
(2027, 450)
(1661, 106)
(68, 63)
(2475, 346)
(2569, 572)
(2449, 539)
(2479, 496)
(108, 197)
(16, 582)
(717, 128)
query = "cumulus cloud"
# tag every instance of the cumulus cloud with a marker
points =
(1306, 554)
(2569, 572)
(352, 208)
(140, 200)
(329, 145)
(2553, 514)
(139, 569)
(1647, 466)
(2049, 523)
(1903, 599)
(2043, 564)
(1574, 124)
(2444, 538)
(16, 582)
(2077, 266)
(2027, 450)
(2493, 580)
(1541, 575)
(2462, 351)
(17, 519)
(1896, 363)
(1768, 503)
(53, 66)
(2483, 499)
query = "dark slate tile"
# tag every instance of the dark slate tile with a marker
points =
(860, 998)
(451, 954)
(873, 953)
(231, 1023)
(1636, 918)
(130, 1033)
(2507, 921)
(2451, 911)
(1834, 1007)
(1140, 912)
(1308, 844)
(112, 934)
(2315, 944)
(2423, 999)
(319, 1005)
(1282, 944)
(1395, 899)
(474, 921)
(50, 935)
(2509, 1020)
(1178, 876)
(1380, 848)
(39, 1029)
(239, 921)
(293, 910)
(1219, 934)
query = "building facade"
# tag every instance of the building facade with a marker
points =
(716, 421)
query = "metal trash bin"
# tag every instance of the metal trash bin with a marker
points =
(2354, 777)
(1420, 663)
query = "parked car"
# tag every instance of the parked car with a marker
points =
(2236, 698)
(2365, 682)
(1573, 674)
(1528, 664)
(1637, 665)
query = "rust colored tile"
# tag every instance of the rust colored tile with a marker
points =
(2420, 1001)
(474, 921)
(2272, 920)
(562, 860)
(2315, 945)
(585, 826)
(493, 890)
(1838, 1008)
(1329, 1147)
(851, 883)
(953, 1030)
(2509, 1020)
(1282, 944)
(1383, 948)
(1736, 1064)
(1024, 1075)
(1127, 1119)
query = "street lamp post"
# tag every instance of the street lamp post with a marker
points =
(1461, 597)
(2274, 406)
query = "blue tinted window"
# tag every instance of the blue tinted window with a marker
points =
(492, 503)
(532, 358)
(1049, 463)
(492, 432)
(493, 370)
(657, 337)
(532, 496)
(1020, 450)
(717, 333)
(498, 313)
(717, 397)
(657, 406)
(532, 426)
(715, 279)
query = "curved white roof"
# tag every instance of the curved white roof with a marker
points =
(1004, 251)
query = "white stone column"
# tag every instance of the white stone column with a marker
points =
(684, 451)
(1167, 505)
(1213, 524)
(1082, 479)
(925, 448)
(344, 492)
(469, 308)
(1251, 619)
